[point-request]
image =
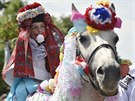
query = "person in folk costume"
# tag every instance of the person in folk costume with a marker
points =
(36, 54)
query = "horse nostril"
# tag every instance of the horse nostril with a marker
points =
(100, 71)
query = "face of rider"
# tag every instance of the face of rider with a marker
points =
(36, 29)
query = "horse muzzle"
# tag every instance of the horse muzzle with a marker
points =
(107, 79)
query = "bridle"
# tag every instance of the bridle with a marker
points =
(89, 60)
(98, 48)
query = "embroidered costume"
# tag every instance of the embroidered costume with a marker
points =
(30, 61)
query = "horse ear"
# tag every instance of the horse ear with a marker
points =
(74, 8)
(112, 7)
(78, 19)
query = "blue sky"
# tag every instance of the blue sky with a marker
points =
(124, 9)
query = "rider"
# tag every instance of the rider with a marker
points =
(36, 54)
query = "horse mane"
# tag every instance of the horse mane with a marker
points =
(69, 80)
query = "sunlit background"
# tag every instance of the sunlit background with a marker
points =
(124, 9)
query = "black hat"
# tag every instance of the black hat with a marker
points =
(39, 18)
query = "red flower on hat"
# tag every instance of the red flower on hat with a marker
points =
(29, 11)
(102, 12)
(30, 6)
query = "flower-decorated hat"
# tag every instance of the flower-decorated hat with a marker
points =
(30, 11)
(99, 17)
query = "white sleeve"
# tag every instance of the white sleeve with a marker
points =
(9, 75)
(131, 89)
(122, 94)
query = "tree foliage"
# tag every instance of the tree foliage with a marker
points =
(8, 30)
(64, 23)
(8, 23)
(3, 86)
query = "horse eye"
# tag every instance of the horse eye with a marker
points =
(82, 39)
(116, 39)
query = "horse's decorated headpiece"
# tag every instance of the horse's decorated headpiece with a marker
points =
(99, 17)
(30, 11)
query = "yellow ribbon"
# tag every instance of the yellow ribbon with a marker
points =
(103, 2)
(125, 61)
(91, 29)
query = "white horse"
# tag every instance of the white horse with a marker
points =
(99, 50)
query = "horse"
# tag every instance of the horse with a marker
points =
(99, 51)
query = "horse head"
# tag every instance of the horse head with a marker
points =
(96, 43)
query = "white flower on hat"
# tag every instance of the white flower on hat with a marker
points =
(30, 11)
(40, 38)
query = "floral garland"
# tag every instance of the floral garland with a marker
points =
(30, 12)
(69, 80)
